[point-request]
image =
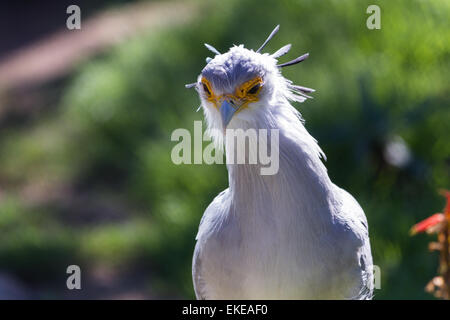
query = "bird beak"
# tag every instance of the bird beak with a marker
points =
(227, 109)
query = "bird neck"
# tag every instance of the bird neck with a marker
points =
(300, 186)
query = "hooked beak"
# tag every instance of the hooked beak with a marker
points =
(227, 109)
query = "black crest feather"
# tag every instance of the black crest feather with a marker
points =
(274, 32)
(295, 61)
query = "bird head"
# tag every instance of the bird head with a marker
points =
(241, 87)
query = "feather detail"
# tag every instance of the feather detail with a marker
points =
(295, 61)
(212, 49)
(301, 88)
(190, 85)
(299, 91)
(303, 95)
(274, 32)
(282, 51)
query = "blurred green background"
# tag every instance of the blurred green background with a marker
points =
(86, 176)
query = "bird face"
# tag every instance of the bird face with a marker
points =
(235, 82)
(240, 86)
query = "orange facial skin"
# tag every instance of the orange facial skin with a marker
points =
(243, 95)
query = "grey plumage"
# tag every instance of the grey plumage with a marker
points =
(290, 235)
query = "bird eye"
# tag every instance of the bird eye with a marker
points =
(206, 89)
(254, 89)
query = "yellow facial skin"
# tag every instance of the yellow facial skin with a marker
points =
(243, 95)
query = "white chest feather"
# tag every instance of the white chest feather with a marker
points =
(293, 235)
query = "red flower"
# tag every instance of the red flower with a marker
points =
(433, 223)
(428, 224)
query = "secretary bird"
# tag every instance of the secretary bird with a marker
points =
(289, 235)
